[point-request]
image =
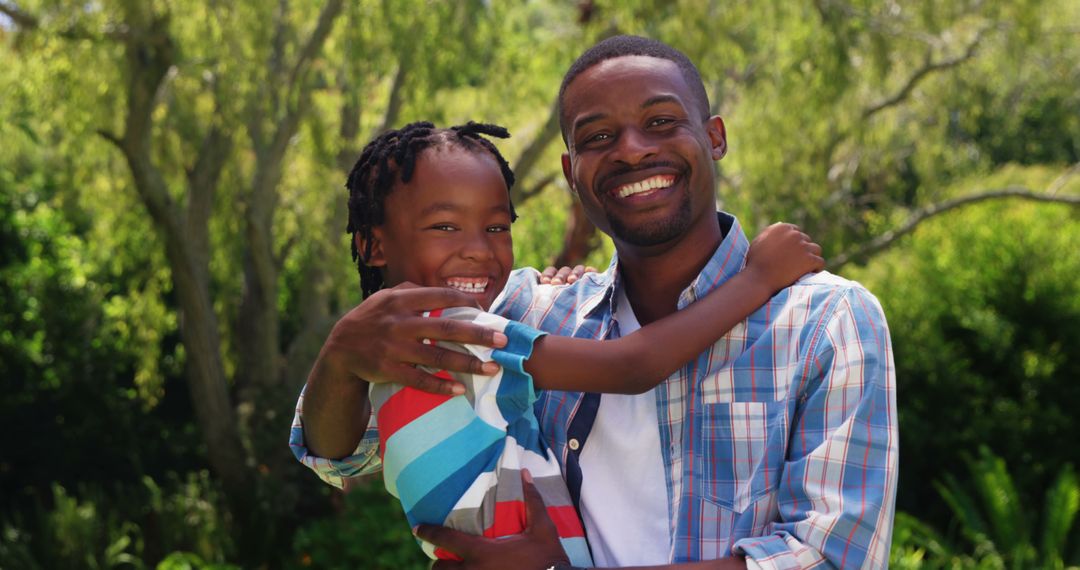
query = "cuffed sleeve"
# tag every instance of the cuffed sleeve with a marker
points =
(363, 461)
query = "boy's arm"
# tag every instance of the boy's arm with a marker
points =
(639, 361)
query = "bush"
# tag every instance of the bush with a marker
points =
(984, 309)
(371, 532)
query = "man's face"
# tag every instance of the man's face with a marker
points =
(640, 151)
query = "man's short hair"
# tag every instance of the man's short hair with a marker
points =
(620, 46)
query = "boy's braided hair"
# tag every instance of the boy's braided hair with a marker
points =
(392, 156)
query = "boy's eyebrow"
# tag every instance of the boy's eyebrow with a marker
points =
(452, 207)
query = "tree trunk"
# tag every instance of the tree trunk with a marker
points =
(579, 240)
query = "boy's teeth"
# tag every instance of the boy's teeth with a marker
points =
(468, 285)
(645, 185)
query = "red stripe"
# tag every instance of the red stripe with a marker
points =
(510, 520)
(405, 406)
(566, 521)
(443, 554)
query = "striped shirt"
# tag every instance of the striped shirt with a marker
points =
(779, 442)
(457, 461)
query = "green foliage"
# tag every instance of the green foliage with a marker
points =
(984, 309)
(998, 528)
(125, 529)
(370, 532)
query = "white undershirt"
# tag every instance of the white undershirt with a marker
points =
(623, 493)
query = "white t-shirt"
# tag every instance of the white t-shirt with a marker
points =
(623, 492)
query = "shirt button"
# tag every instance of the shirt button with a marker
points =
(574, 444)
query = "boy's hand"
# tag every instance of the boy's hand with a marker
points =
(567, 275)
(781, 254)
(380, 340)
(537, 547)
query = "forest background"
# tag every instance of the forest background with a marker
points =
(172, 246)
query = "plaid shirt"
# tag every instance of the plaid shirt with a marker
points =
(779, 442)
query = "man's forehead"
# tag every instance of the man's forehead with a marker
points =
(654, 75)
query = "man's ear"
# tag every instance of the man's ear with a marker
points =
(714, 127)
(568, 172)
(377, 257)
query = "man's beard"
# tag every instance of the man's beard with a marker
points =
(654, 232)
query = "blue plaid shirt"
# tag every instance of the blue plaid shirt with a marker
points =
(779, 442)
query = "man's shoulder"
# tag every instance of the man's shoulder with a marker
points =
(525, 295)
(832, 293)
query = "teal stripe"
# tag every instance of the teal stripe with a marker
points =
(418, 436)
(577, 550)
(439, 463)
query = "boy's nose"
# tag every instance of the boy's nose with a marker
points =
(478, 248)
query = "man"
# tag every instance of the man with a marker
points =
(777, 448)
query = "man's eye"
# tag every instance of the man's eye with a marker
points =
(598, 137)
(660, 121)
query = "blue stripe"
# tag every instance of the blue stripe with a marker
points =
(441, 462)
(436, 504)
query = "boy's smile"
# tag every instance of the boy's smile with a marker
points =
(449, 226)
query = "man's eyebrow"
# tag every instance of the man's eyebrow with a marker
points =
(658, 99)
(582, 122)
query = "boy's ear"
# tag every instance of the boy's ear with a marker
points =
(377, 258)
(714, 127)
(568, 172)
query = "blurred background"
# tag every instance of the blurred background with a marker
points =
(172, 246)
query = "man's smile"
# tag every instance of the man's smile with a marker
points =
(647, 186)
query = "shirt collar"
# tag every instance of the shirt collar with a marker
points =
(728, 259)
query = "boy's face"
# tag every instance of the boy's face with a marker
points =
(640, 153)
(449, 226)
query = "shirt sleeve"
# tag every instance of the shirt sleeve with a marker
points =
(365, 459)
(838, 488)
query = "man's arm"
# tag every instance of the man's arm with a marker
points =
(838, 486)
(380, 340)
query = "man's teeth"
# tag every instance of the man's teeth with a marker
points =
(644, 186)
(468, 285)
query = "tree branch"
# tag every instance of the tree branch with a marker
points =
(888, 238)
(530, 157)
(28, 21)
(393, 105)
(315, 42)
(922, 73)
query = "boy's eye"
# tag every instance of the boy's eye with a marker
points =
(498, 229)
(443, 227)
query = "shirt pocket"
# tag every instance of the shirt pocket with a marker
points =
(742, 451)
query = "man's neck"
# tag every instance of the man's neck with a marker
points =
(655, 279)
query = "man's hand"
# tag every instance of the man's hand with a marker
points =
(567, 275)
(537, 548)
(381, 339)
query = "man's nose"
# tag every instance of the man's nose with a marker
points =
(634, 146)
